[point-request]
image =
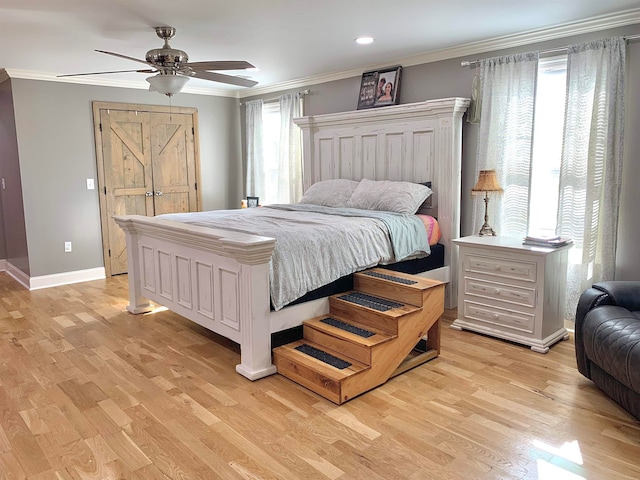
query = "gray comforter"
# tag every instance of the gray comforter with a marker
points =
(317, 245)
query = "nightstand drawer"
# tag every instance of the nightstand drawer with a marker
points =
(500, 267)
(499, 317)
(500, 291)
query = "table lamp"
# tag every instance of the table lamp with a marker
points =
(487, 183)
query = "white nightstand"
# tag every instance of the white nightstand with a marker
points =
(512, 291)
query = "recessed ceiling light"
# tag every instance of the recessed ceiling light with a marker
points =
(364, 40)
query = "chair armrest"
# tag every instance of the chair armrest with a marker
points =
(624, 294)
(589, 299)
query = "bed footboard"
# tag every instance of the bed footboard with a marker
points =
(216, 278)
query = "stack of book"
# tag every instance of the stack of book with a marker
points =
(548, 242)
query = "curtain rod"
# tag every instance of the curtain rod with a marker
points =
(550, 51)
(275, 99)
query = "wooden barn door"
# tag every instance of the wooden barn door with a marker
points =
(173, 163)
(147, 165)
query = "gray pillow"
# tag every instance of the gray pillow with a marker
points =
(330, 193)
(388, 196)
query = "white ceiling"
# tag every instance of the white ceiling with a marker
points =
(291, 41)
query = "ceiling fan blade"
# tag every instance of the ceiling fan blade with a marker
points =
(102, 73)
(220, 65)
(123, 56)
(222, 78)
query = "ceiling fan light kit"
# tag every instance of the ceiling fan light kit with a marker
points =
(174, 70)
(167, 84)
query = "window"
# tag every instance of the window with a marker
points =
(270, 151)
(547, 145)
(274, 150)
(560, 159)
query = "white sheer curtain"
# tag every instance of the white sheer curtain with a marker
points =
(255, 157)
(591, 167)
(274, 150)
(506, 101)
(290, 150)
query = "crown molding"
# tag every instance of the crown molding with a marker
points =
(590, 25)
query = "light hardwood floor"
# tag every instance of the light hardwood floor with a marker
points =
(90, 391)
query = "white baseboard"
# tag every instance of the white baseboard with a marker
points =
(54, 280)
(65, 278)
(18, 275)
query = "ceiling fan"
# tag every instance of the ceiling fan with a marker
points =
(173, 70)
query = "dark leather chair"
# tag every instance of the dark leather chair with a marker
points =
(607, 340)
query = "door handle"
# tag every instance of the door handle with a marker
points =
(158, 193)
(148, 194)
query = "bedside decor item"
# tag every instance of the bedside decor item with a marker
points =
(487, 182)
(379, 88)
(547, 242)
(253, 202)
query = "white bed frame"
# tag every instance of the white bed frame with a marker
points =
(220, 279)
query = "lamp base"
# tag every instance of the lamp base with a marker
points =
(487, 231)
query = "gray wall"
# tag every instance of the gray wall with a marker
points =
(14, 238)
(54, 128)
(448, 79)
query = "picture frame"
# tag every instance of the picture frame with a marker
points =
(253, 202)
(374, 85)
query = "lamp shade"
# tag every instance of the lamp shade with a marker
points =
(167, 84)
(487, 182)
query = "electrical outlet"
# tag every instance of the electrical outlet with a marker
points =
(67, 247)
(90, 185)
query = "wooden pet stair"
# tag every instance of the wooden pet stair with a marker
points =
(368, 336)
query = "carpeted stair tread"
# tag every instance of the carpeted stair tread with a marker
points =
(347, 327)
(350, 345)
(370, 301)
(391, 278)
(291, 353)
(323, 356)
(397, 286)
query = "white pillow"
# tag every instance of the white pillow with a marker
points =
(388, 196)
(330, 193)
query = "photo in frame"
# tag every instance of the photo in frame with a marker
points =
(380, 88)
(253, 202)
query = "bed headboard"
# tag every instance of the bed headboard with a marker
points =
(414, 142)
